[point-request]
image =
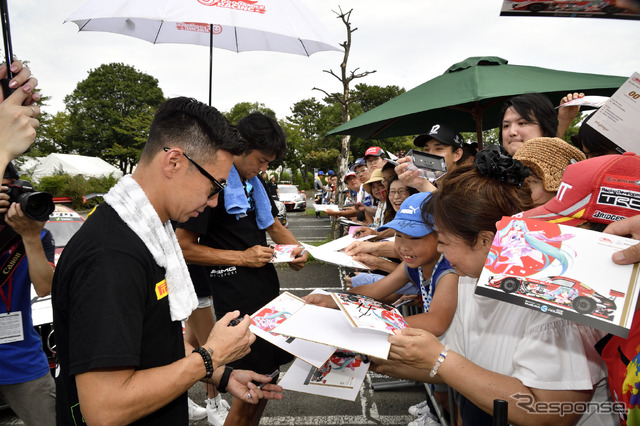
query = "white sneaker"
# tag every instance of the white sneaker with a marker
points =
(419, 409)
(217, 410)
(424, 420)
(196, 412)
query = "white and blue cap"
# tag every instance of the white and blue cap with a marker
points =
(408, 219)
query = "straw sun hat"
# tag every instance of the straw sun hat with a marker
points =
(547, 158)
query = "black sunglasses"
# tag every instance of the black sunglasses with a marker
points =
(217, 186)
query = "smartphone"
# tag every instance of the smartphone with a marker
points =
(432, 166)
(273, 376)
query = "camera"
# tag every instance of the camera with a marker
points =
(36, 205)
(431, 166)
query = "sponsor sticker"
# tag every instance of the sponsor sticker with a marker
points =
(161, 290)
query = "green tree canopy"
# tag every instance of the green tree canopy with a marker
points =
(103, 108)
(242, 109)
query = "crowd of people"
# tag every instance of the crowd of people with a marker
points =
(482, 348)
(183, 241)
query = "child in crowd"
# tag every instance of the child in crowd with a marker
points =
(416, 244)
(495, 350)
(546, 158)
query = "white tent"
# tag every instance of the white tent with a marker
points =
(75, 165)
(26, 165)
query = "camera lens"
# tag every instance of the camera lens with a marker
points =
(37, 205)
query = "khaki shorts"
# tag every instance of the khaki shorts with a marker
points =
(34, 402)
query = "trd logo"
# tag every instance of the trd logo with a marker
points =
(619, 198)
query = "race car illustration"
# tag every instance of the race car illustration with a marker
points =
(604, 6)
(561, 291)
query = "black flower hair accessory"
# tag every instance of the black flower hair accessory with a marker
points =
(494, 163)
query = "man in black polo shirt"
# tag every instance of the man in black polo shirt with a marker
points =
(121, 287)
(232, 241)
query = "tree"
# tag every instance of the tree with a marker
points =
(343, 99)
(242, 109)
(102, 108)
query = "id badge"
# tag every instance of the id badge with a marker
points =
(11, 328)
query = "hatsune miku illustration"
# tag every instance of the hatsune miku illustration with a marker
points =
(269, 318)
(519, 251)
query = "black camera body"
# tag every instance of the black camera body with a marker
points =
(36, 205)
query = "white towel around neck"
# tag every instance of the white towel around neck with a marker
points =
(132, 205)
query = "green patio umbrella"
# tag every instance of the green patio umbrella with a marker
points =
(469, 96)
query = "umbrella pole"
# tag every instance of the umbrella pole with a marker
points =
(476, 112)
(210, 61)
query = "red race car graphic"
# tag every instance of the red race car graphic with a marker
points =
(604, 6)
(561, 291)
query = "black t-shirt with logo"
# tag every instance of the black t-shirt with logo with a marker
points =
(111, 310)
(236, 287)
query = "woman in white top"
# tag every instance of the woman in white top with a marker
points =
(545, 367)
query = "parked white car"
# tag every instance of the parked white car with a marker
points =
(292, 198)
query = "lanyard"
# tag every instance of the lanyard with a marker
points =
(14, 258)
(427, 295)
(7, 299)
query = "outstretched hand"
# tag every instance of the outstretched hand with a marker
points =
(323, 300)
(415, 347)
(240, 386)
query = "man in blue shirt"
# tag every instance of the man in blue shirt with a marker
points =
(27, 256)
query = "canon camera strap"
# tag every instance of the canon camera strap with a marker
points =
(8, 238)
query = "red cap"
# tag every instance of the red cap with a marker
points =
(374, 151)
(602, 189)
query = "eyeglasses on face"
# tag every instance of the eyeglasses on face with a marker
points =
(398, 192)
(217, 186)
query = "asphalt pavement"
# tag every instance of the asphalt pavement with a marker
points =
(371, 407)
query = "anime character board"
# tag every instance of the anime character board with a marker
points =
(563, 271)
(276, 312)
(365, 312)
(340, 377)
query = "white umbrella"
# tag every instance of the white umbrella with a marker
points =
(239, 25)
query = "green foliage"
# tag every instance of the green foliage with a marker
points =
(489, 137)
(574, 127)
(372, 96)
(51, 135)
(105, 110)
(242, 109)
(64, 185)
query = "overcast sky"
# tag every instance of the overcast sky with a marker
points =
(406, 41)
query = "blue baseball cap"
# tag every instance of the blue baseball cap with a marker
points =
(330, 173)
(320, 173)
(357, 163)
(408, 219)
